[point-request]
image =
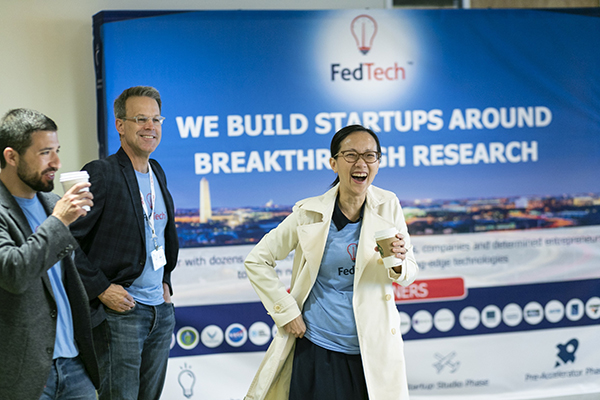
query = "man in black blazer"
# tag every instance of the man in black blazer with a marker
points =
(45, 328)
(129, 247)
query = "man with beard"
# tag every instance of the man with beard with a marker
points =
(45, 326)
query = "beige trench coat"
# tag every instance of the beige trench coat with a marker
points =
(378, 322)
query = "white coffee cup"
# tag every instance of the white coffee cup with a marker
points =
(69, 179)
(384, 239)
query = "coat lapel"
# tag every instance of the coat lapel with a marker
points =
(372, 222)
(313, 237)
(14, 210)
(132, 186)
(162, 184)
(48, 203)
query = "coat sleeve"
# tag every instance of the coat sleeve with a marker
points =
(94, 280)
(260, 266)
(410, 269)
(22, 264)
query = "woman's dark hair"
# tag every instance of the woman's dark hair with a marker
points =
(338, 138)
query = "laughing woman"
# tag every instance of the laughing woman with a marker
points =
(339, 329)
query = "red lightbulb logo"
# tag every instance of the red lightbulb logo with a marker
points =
(351, 249)
(364, 29)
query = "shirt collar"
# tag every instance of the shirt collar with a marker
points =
(340, 220)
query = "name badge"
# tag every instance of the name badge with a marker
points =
(158, 258)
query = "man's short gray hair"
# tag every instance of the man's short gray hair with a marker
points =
(136, 91)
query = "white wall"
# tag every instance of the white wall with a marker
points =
(46, 58)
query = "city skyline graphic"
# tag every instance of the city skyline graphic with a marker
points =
(219, 226)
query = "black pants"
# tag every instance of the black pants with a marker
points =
(320, 374)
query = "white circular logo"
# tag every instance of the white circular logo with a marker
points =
(555, 311)
(444, 320)
(512, 315)
(274, 330)
(533, 313)
(422, 322)
(404, 322)
(592, 308)
(212, 336)
(259, 333)
(575, 309)
(491, 316)
(469, 318)
(236, 335)
(188, 337)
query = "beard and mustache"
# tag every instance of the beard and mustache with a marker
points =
(35, 180)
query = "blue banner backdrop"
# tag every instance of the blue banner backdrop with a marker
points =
(490, 127)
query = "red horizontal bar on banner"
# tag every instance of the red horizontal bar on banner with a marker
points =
(431, 289)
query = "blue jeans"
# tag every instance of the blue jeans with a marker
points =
(68, 381)
(133, 350)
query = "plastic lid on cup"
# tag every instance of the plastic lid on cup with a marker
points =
(385, 233)
(69, 176)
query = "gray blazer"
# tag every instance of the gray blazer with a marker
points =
(28, 311)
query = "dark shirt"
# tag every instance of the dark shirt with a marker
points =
(340, 220)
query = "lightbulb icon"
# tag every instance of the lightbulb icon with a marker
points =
(364, 29)
(186, 380)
